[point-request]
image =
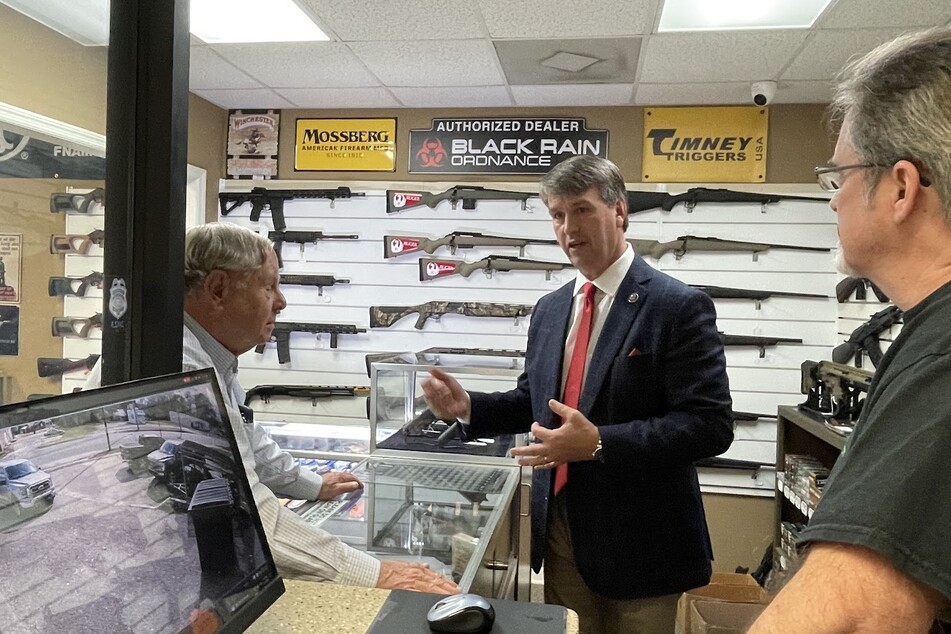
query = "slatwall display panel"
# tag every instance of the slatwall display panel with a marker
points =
(759, 382)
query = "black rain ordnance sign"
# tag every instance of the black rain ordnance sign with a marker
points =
(501, 145)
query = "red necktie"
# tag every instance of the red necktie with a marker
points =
(576, 368)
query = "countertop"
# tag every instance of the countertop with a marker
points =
(307, 607)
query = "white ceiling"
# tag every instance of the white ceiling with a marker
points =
(486, 53)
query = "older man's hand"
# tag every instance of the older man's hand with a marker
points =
(336, 483)
(402, 575)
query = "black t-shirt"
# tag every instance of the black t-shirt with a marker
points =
(890, 490)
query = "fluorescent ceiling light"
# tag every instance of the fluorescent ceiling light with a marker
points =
(221, 21)
(721, 15)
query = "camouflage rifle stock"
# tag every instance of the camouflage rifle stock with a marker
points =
(273, 199)
(283, 329)
(401, 245)
(75, 326)
(685, 244)
(401, 200)
(46, 366)
(76, 243)
(433, 268)
(386, 316)
(76, 203)
(302, 238)
(65, 286)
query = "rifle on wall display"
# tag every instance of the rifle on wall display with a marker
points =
(866, 338)
(303, 238)
(434, 268)
(401, 245)
(386, 316)
(320, 281)
(756, 341)
(46, 366)
(645, 201)
(273, 199)
(723, 292)
(76, 243)
(76, 203)
(283, 329)
(67, 286)
(75, 326)
(312, 392)
(401, 199)
(859, 286)
(685, 244)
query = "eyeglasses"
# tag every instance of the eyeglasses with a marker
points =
(830, 178)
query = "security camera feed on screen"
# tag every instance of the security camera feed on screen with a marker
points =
(127, 509)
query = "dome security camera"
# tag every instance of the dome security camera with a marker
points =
(763, 92)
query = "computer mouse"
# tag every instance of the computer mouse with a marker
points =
(461, 614)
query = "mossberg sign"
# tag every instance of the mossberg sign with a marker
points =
(345, 145)
(527, 145)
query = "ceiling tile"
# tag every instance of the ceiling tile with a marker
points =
(454, 97)
(339, 97)
(718, 56)
(437, 63)
(574, 95)
(828, 51)
(886, 13)
(734, 93)
(253, 98)
(387, 20)
(299, 64)
(207, 70)
(580, 18)
(521, 60)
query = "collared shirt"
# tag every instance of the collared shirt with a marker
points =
(607, 285)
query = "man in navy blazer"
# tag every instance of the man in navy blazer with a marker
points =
(627, 533)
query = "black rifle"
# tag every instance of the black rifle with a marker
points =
(479, 352)
(73, 243)
(732, 463)
(283, 329)
(751, 416)
(302, 238)
(75, 326)
(865, 337)
(834, 389)
(723, 292)
(860, 286)
(273, 199)
(401, 200)
(320, 281)
(386, 316)
(46, 366)
(313, 392)
(401, 245)
(753, 340)
(683, 244)
(433, 268)
(642, 201)
(76, 203)
(63, 286)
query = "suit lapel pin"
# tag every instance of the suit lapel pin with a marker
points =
(633, 297)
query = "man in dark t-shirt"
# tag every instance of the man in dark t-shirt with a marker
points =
(878, 548)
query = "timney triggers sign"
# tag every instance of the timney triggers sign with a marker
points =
(705, 145)
(346, 145)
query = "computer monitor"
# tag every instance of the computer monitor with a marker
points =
(127, 509)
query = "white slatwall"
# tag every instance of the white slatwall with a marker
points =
(758, 384)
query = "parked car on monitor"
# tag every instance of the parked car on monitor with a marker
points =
(163, 454)
(23, 485)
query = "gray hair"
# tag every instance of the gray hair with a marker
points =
(578, 174)
(222, 246)
(896, 102)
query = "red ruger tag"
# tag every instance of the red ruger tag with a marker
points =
(403, 245)
(401, 199)
(440, 268)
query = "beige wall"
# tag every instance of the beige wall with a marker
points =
(49, 74)
(741, 527)
(798, 140)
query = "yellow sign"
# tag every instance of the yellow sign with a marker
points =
(705, 145)
(345, 145)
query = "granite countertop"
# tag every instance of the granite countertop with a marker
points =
(307, 607)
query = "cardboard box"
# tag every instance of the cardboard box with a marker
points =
(722, 617)
(723, 586)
